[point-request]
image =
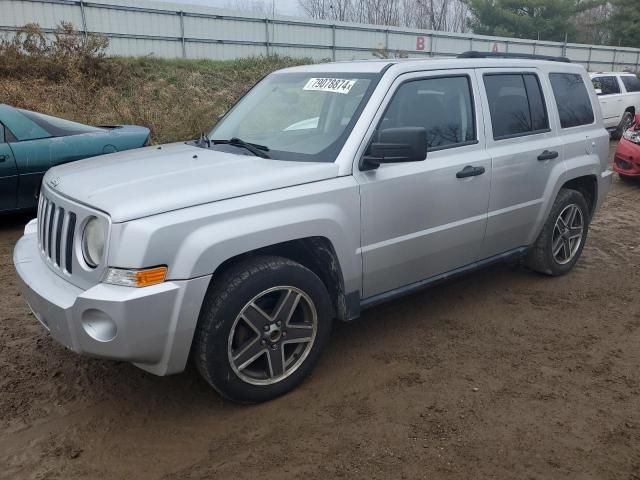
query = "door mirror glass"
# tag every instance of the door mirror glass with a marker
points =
(396, 145)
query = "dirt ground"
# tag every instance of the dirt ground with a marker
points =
(503, 374)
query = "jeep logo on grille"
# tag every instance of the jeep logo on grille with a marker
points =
(54, 182)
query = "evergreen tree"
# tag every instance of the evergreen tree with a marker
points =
(532, 19)
(625, 23)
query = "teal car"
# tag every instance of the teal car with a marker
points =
(31, 143)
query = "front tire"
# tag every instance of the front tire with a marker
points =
(262, 327)
(563, 236)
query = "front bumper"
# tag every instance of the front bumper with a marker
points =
(626, 160)
(151, 327)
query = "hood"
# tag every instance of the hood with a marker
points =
(152, 180)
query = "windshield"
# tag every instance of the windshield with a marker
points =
(305, 117)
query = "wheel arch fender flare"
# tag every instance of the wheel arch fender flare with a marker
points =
(204, 250)
(582, 170)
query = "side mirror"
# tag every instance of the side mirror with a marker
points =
(396, 145)
(598, 91)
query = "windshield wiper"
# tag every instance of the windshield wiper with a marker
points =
(257, 150)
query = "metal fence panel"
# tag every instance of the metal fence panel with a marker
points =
(196, 50)
(520, 48)
(282, 33)
(47, 15)
(482, 45)
(146, 27)
(360, 39)
(578, 54)
(125, 22)
(452, 45)
(626, 58)
(140, 47)
(223, 29)
(406, 42)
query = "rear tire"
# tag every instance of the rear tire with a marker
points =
(563, 235)
(262, 327)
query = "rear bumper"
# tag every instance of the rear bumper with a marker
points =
(151, 327)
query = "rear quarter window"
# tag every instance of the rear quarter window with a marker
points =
(572, 99)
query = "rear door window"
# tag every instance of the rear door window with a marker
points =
(572, 99)
(607, 85)
(516, 104)
(631, 83)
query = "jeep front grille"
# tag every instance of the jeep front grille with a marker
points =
(56, 233)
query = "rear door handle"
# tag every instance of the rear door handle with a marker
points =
(3, 158)
(547, 155)
(470, 171)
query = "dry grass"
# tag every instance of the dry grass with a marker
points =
(176, 99)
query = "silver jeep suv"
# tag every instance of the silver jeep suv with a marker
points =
(325, 190)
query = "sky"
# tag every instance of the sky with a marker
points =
(283, 7)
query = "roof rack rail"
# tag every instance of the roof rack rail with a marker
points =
(530, 56)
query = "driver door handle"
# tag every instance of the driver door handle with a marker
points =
(470, 171)
(2, 158)
(547, 155)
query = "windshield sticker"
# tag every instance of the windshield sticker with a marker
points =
(335, 85)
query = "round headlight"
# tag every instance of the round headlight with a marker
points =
(93, 239)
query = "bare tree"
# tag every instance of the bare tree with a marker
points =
(262, 7)
(338, 10)
(449, 15)
(593, 25)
